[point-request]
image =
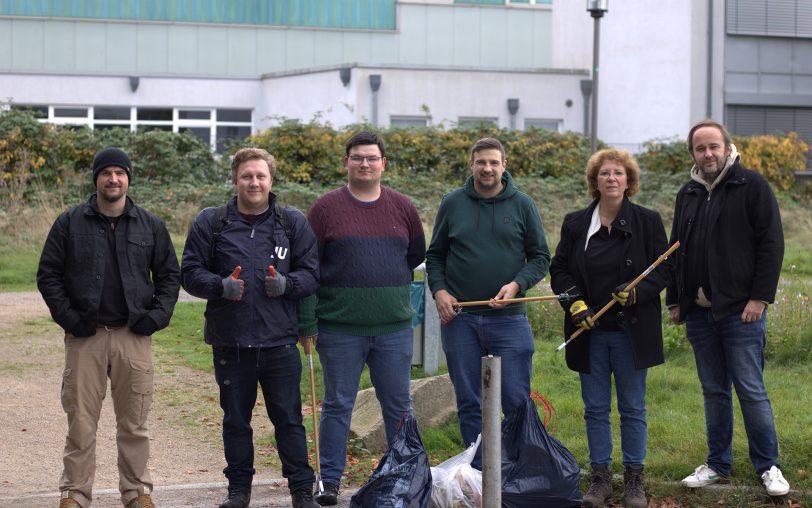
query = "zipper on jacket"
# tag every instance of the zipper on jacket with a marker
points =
(252, 232)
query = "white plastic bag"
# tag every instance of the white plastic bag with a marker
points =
(455, 484)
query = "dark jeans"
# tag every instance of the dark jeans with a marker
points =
(469, 337)
(730, 354)
(278, 371)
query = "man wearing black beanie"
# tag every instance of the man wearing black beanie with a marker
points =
(109, 275)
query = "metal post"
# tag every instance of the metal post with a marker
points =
(491, 431)
(596, 48)
(431, 331)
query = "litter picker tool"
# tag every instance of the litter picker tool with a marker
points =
(563, 297)
(633, 283)
(314, 411)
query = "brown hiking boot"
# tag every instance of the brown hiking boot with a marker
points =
(142, 501)
(67, 502)
(634, 494)
(600, 488)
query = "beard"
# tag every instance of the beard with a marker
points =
(111, 194)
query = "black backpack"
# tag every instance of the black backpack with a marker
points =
(221, 219)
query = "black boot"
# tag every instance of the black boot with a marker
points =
(237, 498)
(303, 498)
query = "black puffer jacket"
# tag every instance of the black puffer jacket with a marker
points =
(644, 242)
(71, 267)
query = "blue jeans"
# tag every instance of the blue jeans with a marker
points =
(342, 359)
(469, 337)
(731, 353)
(278, 371)
(611, 353)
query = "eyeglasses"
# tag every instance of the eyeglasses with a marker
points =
(357, 159)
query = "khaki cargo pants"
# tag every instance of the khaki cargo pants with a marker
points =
(126, 359)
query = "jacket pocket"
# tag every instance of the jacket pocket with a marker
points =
(141, 384)
(139, 251)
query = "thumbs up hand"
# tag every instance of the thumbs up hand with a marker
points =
(233, 286)
(274, 283)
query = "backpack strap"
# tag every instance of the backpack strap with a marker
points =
(217, 224)
(221, 220)
(284, 220)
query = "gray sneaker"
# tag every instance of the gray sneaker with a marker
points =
(600, 488)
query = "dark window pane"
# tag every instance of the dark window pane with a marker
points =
(146, 128)
(107, 126)
(233, 115)
(155, 114)
(37, 111)
(70, 112)
(109, 113)
(184, 114)
(228, 133)
(204, 133)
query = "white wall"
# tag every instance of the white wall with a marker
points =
(305, 96)
(50, 89)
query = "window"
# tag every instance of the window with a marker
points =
(779, 18)
(37, 111)
(204, 133)
(194, 114)
(229, 133)
(70, 112)
(111, 113)
(215, 127)
(233, 115)
(542, 123)
(155, 114)
(408, 122)
(475, 122)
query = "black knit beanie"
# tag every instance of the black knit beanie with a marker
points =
(112, 157)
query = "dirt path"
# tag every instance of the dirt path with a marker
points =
(186, 447)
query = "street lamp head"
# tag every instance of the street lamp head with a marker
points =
(597, 8)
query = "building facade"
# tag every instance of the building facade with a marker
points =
(222, 69)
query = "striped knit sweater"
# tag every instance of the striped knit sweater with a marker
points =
(367, 251)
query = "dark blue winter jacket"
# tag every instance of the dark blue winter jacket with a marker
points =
(256, 320)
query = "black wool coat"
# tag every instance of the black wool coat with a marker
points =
(644, 241)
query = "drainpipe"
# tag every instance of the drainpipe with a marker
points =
(375, 84)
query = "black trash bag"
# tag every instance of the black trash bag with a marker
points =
(537, 470)
(403, 476)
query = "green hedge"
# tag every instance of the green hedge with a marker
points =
(177, 173)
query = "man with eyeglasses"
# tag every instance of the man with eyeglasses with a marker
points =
(488, 244)
(370, 238)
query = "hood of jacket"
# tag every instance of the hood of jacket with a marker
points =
(696, 171)
(483, 203)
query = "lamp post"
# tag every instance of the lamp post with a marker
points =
(596, 8)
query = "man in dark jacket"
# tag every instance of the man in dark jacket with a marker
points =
(727, 270)
(488, 244)
(253, 261)
(110, 277)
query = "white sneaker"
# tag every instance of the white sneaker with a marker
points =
(702, 476)
(774, 482)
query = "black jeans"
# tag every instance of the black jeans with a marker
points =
(278, 371)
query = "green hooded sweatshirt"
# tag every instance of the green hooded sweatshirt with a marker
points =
(480, 244)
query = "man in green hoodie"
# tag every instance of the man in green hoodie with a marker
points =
(488, 244)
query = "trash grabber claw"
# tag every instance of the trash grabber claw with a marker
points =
(633, 283)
